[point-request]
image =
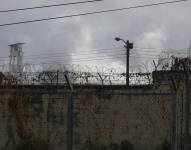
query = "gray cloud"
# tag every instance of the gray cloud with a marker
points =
(161, 27)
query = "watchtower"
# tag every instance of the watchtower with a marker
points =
(16, 58)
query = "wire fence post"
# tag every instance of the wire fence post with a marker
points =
(70, 115)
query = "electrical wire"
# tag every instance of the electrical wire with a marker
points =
(111, 48)
(97, 51)
(91, 13)
(96, 58)
(88, 55)
(48, 6)
(81, 52)
(87, 60)
(78, 55)
(169, 49)
(78, 52)
(82, 58)
(157, 53)
(108, 52)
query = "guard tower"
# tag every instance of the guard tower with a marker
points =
(16, 58)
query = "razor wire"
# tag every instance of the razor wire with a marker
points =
(53, 74)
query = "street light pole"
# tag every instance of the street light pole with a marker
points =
(128, 46)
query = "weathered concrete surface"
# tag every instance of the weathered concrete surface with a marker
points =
(140, 116)
(33, 112)
(101, 114)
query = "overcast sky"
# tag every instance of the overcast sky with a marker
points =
(167, 26)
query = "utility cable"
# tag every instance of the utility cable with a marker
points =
(56, 55)
(74, 52)
(153, 48)
(77, 60)
(91, 13)
(96, 58)
(89, 54)
(81, 58)
(77, 53)
(47, 6)
(81, 52)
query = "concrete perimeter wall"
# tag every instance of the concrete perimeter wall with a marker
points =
(101, 114)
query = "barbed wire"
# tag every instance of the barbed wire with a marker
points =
(54, 74)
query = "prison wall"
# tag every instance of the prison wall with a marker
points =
(140, 116)
(33, 112)
(102, 116)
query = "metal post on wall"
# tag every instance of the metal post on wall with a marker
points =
(174, 115)
(187, 106)
(70, 115)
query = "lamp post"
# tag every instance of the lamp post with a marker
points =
(128, 46)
